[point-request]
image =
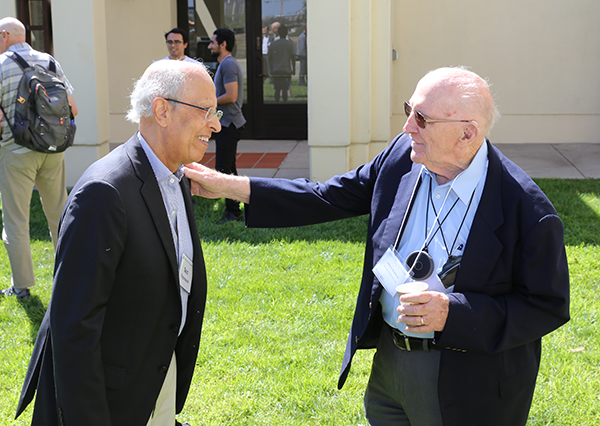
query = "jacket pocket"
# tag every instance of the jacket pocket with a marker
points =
(114, 377)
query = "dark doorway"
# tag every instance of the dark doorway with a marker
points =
(268, 116)
(35, 15)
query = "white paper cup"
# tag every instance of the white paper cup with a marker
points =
(413, 287)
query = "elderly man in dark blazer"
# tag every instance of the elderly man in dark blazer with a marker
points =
(119, 341)
(446, 203)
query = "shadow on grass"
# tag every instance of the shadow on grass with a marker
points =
(582, 222)
(38, 225)
(35, 310)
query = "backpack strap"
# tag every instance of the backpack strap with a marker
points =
(18, 59)
(52, 65)
(24, 65)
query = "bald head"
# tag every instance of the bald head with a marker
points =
(12, 26)
(12, 31)
(458, 89)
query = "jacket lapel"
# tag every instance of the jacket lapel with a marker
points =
(483, 247)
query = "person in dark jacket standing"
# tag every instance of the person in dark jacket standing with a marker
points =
(119, 341)
(446, 207)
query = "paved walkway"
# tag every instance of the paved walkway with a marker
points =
(290, 159)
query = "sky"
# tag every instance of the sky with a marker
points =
(273, 7)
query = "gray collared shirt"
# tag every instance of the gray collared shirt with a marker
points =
(172, 196)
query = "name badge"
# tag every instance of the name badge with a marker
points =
(185, 274)
(390, 271)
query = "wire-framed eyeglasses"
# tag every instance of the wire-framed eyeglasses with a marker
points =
(210, 112)
(422, 121)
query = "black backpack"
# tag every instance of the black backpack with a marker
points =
(43, 120)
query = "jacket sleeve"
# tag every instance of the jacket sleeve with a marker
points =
(92, 237)
(276, 203)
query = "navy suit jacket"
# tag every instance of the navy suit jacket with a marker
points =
(112, 325)
(512, 287)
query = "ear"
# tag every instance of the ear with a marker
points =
(162, 111)
(469, 134)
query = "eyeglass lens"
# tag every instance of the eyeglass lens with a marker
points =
(418, 116)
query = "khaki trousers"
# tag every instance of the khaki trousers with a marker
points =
(19, 173)
(164, 410)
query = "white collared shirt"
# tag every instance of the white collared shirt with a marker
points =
(421, 225)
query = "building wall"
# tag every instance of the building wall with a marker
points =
(349, 98)
(136, 38)
(541, 57)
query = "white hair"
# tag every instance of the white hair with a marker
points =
(162, 79)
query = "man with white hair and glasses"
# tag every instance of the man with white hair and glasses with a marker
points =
(119, 341)
(447, 209)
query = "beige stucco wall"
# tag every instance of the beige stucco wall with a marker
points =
(349, 99)
(136, 38)
(80, 47)
(541, 57)
(7, 8)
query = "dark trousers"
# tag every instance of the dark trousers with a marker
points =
(226, 141)
(282, 85)
(403, 387)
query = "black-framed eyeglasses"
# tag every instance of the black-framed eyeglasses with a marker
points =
(210, 112)
(176, 42)
(422, 121)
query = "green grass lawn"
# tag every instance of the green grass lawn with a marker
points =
(279, 308)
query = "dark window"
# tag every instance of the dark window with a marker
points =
(35, 15)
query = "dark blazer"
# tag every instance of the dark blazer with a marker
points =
(512, 287)
(112, 325)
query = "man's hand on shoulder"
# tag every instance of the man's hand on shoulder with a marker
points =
(209, 183)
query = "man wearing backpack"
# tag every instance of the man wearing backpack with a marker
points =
(22, 168)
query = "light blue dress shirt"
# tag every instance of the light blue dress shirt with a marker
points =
(175, 207)
(421, 225)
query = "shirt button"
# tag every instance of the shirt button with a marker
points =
(438, 196)
(172, 180)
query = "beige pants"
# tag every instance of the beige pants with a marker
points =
(19, 173)
(164, 411)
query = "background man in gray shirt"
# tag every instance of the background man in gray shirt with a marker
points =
(229, 82)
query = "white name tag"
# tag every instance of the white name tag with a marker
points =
(185, 274)
(390, 271)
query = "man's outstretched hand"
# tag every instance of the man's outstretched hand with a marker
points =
(209, 183)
